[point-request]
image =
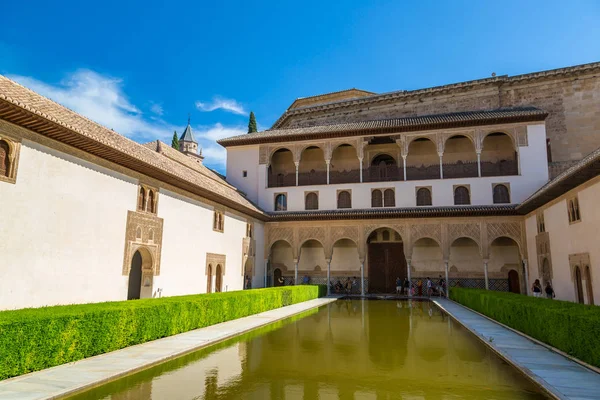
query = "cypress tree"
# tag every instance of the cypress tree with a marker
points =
(252, 123)
(175, 141)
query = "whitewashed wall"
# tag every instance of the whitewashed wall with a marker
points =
(532, 160)
(63, 231)
(565, 239)
(62, 235)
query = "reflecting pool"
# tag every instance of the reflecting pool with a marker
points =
(349, 349)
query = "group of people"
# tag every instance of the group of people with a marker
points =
(348, 286)
(537, 289)
(408, 288)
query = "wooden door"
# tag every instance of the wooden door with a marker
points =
(386, 263)
(513, 281)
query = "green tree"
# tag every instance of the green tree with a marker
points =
(175, 141)
(252, 123)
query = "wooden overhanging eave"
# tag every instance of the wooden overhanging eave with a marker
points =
(41, 125)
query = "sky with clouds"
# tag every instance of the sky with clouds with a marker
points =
(141, 68)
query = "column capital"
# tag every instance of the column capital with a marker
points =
(295, 261)
(327, 161)
(297, 163)
(441, 154)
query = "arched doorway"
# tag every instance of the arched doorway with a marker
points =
(277, 281)
(588, 282)
(386, 260)
(219, 279)
(209, 276)
(513, 282)
(579, 285)
(140, 276)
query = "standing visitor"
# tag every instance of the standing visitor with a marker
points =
(407, 286)
(348, 285)
(398, 285)
(549, 291)
(420, 287)
(537, 288)
(281, 281)
(441, 287)
(429, 287)
(354, 284)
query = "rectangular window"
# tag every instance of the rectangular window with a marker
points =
(218, 221)
(245, 174)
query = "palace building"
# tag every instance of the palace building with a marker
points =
(489, 183)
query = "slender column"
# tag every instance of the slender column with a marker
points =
(297, 165)
(266, 270)
(362, 277)
(526, 268)
(447, 281)
(266, 176)
(485, 271)
(409, 278)
(441, 165)
(404, 163)
(327, 162)
(518, 161)
(328, 276)
(295, 272)
(479, 164)
(360, 169)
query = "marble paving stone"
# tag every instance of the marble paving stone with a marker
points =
(561, 376)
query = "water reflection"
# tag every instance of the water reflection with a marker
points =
(348, 350)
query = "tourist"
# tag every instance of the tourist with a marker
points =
(407, 287)
(338, 286)
(348, 285)
(549, 291)
(420, 287)
(248, 282)
(354, 284)
(281, 281)
(537, 288)
(306, 280)
(429, 287)
(398, 285)
(441, 287)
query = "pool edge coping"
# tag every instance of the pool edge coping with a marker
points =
(121, 374)
(547, 388)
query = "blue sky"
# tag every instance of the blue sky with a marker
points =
(141, 67)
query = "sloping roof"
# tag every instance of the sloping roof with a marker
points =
(30, 110)
(586, 169)
(188, 135)
(329, 97)
(450, 88)
(395, 125)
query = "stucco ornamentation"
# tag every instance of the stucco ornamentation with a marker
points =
(152, 232)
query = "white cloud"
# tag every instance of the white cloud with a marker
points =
(229, 105)
(102, 99)
(157, 109)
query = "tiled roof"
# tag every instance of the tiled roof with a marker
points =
(586, 169)
(405, 212)
(450, 88)
(26, 108)
(395, 125)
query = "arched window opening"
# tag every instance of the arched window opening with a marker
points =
(573, 206)
(423, 197)
(461, 196)
(209, 279)
(150, 207)
(501, 195)
(142, 200)
(423, 160)
(383, 168)
(312, 169)
(4, 158)
(311, 202)
(376, 198)
(344, 199)
(389, 198)
(281, 202)
(345, 165)
(498, 155)
(282, 170)
(460, 158)
(219, 279)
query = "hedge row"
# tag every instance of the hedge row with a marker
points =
(571, 327)
(39, 338)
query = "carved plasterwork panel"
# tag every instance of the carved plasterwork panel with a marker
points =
(344, 232)
(14, 150)
(143, 230)
(542, 247)
(420, 231)
(472, 231)
(214, 260)
(369, 228)
(521, 133)
(279, 233)
(313, 232)
(508, 229)
(263, 155)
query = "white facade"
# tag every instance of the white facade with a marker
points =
(533, 173)
(63, 240)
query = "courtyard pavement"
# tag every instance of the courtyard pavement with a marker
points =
(562, 377)
(69, 378)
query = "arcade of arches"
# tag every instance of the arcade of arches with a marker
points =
(369, 255)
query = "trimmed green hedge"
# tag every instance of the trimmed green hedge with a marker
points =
(571, 327)
(38, 338)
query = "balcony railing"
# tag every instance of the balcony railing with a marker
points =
(312, 178)
(383, 174)
(352, 176)
(279, 180)
(461, 170)
(499, 168)
(423, 172)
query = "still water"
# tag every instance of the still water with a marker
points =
(349, 349)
